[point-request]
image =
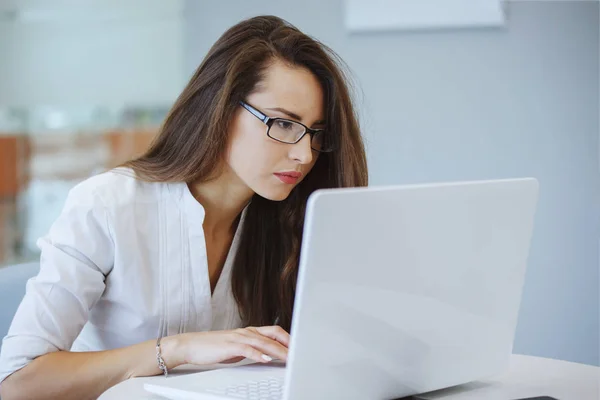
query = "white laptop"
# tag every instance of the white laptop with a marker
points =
(401, 290)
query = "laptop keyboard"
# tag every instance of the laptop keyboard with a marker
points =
(266, 389)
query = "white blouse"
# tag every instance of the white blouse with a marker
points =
(124, 263)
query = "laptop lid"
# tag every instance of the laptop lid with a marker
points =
(403, 290)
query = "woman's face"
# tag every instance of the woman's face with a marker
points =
(268, 167)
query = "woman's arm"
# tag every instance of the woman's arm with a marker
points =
(76, 256)
(74, 375)
(67, 375)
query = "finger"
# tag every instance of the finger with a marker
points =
(250, 352)
(276, 333)
(233, 360)
(263, 343)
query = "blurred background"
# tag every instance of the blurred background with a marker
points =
(446, 90)
(84, 85)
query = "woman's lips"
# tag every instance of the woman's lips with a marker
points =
(288, 177)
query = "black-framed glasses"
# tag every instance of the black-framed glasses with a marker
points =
(288, 131)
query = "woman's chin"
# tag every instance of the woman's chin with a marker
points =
(274, 195)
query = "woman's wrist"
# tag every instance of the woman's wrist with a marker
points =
(173, 351)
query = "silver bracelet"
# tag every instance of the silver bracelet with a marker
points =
(161, 362)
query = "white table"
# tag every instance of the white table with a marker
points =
(527, 377)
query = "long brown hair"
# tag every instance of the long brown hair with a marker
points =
(193, 140)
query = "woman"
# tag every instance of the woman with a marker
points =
(198, 237)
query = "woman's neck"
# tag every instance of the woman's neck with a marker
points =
(223, 199)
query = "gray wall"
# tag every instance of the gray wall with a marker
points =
(477, 104)
(78, 55)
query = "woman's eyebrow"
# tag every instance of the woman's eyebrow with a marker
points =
(293, 115)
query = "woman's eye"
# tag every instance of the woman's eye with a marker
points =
(287, 125)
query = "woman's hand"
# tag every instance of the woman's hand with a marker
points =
(261, 344)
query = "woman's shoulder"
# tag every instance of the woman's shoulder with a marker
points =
(119, 187)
